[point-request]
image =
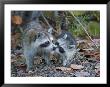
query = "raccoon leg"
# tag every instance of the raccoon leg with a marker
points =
(46, 57)
(29, 62)
(64, 60)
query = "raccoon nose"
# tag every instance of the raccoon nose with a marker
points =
(54, 48)
(57, 43)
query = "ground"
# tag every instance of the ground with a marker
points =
(85, 64)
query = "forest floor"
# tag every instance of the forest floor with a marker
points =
(85, 64)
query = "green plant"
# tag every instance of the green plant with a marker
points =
(94, 29)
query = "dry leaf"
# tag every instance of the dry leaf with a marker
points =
(97, 71)
(37, 61)
(82, 74)
(89, 53)
(63, 68)
(16, 20)
(97, 66)
(74, 66)
(15, 40)
(13, 60)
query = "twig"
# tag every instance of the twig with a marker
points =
(48, 23)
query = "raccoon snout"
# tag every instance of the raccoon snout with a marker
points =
(54, 48)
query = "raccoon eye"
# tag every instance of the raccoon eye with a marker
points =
(61, 50)
(38, 35)
(53, 41)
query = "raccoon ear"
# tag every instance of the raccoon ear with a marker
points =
(65, 36)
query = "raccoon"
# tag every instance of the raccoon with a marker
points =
(36, 42)
(66, 47)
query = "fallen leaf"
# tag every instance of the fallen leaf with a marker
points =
(91, 54)
(63, 68)
(13, 56)
(74, 66)
(15, 40)
(93, 60)
(82, 74)
(97, 70)
(37, 61)
(97, 65)
(16, 20)
(13, 60)
(22, 67)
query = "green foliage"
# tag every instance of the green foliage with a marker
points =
(94, 29)
(89, 19)
(77, 32)
(78, 13)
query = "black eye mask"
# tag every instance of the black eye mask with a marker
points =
(46, 44)
(61, 50)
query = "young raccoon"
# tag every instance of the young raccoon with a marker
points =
(36, 42)
(66, 47)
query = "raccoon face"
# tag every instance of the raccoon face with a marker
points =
(43, 40)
